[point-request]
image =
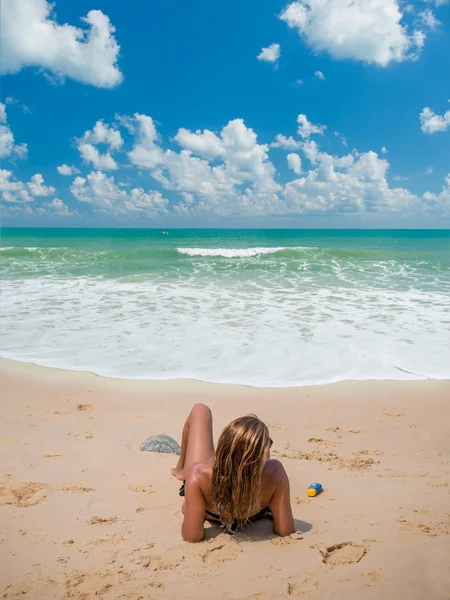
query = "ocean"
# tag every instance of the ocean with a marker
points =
(269, 308)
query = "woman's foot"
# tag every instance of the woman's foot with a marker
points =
(178, 473)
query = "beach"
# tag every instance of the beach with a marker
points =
(85, 514)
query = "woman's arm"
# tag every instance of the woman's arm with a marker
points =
(280, 503)
(192, 529)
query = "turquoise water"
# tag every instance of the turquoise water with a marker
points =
(260, 307)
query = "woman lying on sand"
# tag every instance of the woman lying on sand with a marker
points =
(235, 484)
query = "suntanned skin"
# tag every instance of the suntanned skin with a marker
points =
(195, 466)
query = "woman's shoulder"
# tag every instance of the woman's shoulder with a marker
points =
(198, 472)
(273, 468)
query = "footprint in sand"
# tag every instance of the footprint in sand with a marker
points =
(144, 510)
(285, 541)
(220, 554)
(346, 553)
(23, 494)
(155, 562)
(81, 585)
(357, 462)
(370, 578)
(102, 520)
(300, 500)
(142, 488)
(430, 529)
(339, 430)
(352, 517)
(321, 442)
(394, 414)
(84, 407)
(77, 489)
(298, 588)
(17, 590)
(116, 539)
(51, 455)
(143, 548)
(82, 433)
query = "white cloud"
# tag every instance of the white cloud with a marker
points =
(429, 171)
(205, 144)
(441, 201)
(342, 138)
(428, 19)
(125, 121)
(282, 141)
(384, 150)
(232, 175)
(365, 30)
(103, 134)
(10, 100)
(54, 208)
(438, 3)
(89, 153)
(430, 122)
(320, 75)
(67, 170)
(306, 128)
(57, 206)
(145, 152)
(270, 54)
(100, 134)
(106, 196)
(294, 163)
(37, 187)
(31, 37)
(242, 160)
(7, 146)
(13, 190)
(347, 186)
(228, 173)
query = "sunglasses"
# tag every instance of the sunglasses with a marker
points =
(270, 443)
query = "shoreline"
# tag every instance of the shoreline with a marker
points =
(86, 514)
(29, 368)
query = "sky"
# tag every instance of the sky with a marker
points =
(312, 113)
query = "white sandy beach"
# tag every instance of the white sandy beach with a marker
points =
(86, 515)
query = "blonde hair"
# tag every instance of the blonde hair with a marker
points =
(236, 470)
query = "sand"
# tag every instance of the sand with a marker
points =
(86, 515)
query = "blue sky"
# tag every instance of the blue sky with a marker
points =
(190, 107)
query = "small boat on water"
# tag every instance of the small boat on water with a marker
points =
(164, 233)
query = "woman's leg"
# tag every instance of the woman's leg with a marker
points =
(197, 443)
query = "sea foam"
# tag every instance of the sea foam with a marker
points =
(235, 252)
(267, 333)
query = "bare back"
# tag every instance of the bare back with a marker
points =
(275, 495)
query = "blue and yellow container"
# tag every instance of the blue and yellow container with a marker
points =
(314, 489)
